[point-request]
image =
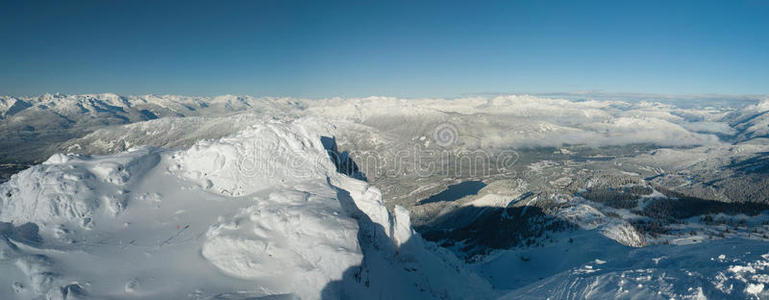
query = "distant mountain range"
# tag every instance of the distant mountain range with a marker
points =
(515, 197)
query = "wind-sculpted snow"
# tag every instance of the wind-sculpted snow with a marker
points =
(265, 156)
(260, 213)
(72, 188)
(241, 197)
(294, 240)
(170, 133)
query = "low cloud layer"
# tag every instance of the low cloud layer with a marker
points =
(498, 121)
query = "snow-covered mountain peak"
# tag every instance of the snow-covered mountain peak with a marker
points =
(260, 157)
(259, 213)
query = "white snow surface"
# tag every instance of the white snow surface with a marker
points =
(259, 213)
(257, 209)
(684, 272)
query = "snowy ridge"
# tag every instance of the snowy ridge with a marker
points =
(265, 208)
(151, 106)
(238, 197)
(263, 157)
(70, 188)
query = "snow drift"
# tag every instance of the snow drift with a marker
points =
(259, 213)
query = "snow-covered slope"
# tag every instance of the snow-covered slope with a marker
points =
(33, 126)
(752, 122)
(259, 213)
(731, 269)
(241, 197)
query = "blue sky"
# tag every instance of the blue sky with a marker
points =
(386, 48)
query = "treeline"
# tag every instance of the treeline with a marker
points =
(621, 198)
(498, 228)
(681, 206)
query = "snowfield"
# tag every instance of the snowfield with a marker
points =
(259, 213)
(170, 197)
(730, 269)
